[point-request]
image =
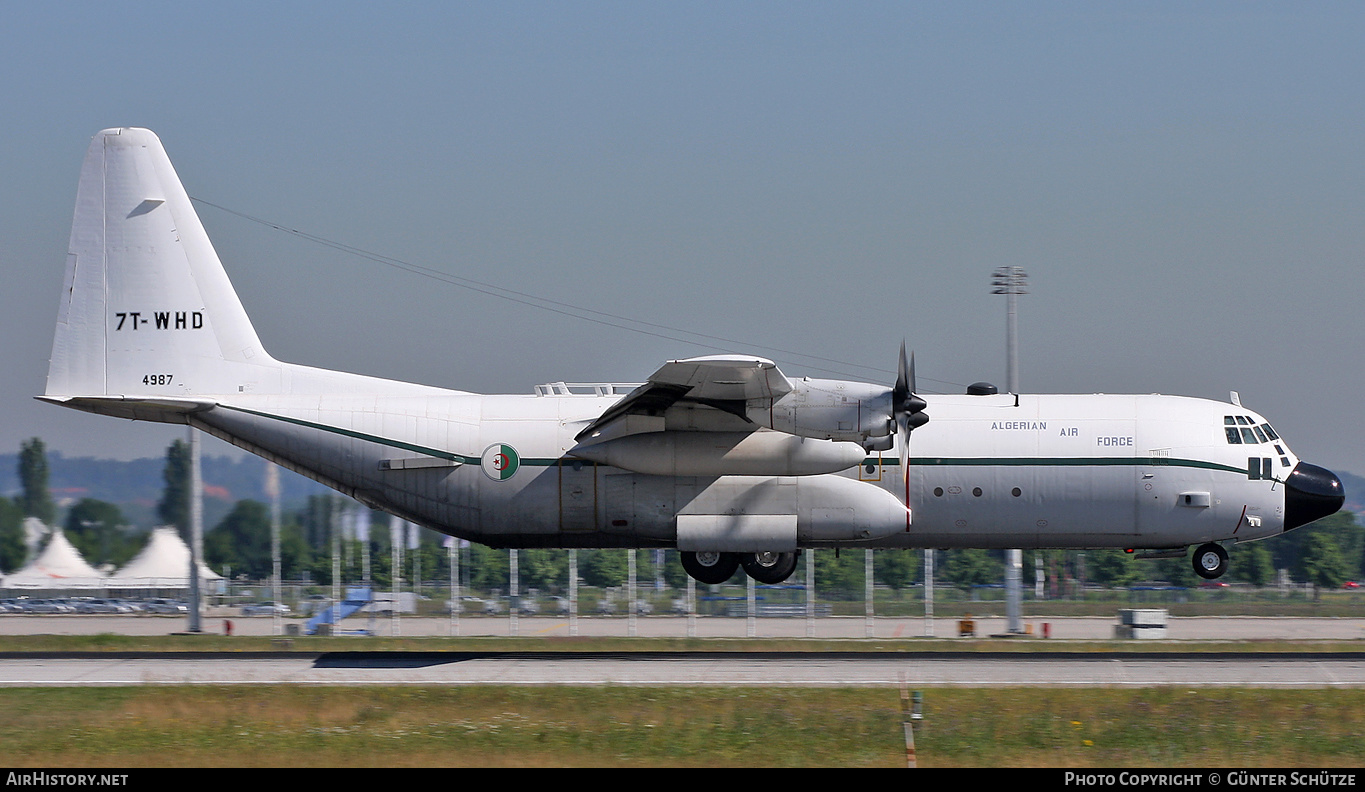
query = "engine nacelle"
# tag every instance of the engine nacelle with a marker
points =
(828, 410)
(759, 453)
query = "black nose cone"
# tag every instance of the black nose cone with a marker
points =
(1311, 493)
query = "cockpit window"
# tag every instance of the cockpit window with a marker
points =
(1243, 430)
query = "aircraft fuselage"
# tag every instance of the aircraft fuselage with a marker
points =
(1125, 471)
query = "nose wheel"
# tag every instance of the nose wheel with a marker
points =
(1210, 561)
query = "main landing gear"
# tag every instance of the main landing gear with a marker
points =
(713, 568)
(1210, 561)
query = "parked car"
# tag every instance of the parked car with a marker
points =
(265, 609)
(1350, 584)
(102, 606)
(47, 606)
(166, 606)
(467, 605)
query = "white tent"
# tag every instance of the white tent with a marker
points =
(163, 564)
(35, 531)
(59, 566)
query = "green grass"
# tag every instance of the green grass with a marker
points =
(283, 726)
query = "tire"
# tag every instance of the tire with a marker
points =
(1210, 561)
(769, 568)
(709, 567)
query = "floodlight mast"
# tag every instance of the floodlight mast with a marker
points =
(1011, 282)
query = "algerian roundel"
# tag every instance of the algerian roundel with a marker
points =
(500, 461)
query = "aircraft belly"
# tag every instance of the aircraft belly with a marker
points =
(1022, 505)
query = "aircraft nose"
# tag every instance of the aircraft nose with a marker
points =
(1311, 493)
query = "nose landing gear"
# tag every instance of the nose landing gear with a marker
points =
(1210, 561)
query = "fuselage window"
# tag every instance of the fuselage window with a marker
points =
(1260, 436)
(1229, 421)
(938, 492)
(1248, 437)
(1234, 436)
(976, 491)
(1242, 419)
(1270, 432)
(1016, 492)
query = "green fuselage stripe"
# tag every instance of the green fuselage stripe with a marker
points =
(432, 452)
(465, 459)
(1054, 462)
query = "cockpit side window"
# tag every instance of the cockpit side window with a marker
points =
(1234, 436)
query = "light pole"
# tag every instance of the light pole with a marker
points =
(1011, 282)
(196, 531)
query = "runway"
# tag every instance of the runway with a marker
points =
(1202, 628)
(729, 669)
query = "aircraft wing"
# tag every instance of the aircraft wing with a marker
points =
(724, 382)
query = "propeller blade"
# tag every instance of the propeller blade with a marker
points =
(903, 444)
(904, 378)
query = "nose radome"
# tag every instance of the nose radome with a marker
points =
(1311, 493)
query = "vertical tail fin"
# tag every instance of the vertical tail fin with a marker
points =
(146, 308)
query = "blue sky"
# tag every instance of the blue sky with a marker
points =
(1181, 181)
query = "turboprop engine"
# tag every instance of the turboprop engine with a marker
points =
(856, 412)
(829, 410)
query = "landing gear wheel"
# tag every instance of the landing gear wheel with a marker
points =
(1210, 561)
(769, 568)
(710, 567)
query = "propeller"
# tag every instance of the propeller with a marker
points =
(907, 408)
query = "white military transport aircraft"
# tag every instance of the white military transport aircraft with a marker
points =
(725, 458)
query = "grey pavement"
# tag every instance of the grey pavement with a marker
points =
(1066, 628)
